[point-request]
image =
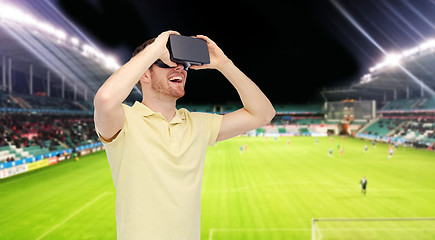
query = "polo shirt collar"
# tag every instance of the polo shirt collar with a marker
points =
(146, 111)
(142, 109)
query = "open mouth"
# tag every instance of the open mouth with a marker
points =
(176, 79)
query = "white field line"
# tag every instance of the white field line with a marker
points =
(378, 228)
(213, 230)
(72, 215)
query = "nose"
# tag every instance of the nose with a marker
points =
(181, 67)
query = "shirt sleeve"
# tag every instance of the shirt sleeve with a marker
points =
(115, 140)
(112, 141)
(115, 149)
(214, 126)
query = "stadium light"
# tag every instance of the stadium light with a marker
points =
(11, 14)
(111, 62)
(394, 59)
(411, 52)
(75, 41)
(427, 45)
(366, 78)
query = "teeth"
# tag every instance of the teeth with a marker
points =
(175, 78)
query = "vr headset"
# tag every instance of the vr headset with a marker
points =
(188, 50)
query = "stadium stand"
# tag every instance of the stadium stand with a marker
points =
(401, 104)
(410, 105)
(418, 130)
(427, 104)
(49, 73)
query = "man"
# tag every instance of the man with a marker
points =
(390, 152)
(156, 152)
(363, 183)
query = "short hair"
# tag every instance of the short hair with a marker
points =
(137, 51)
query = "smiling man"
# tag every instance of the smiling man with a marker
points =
(156, 152)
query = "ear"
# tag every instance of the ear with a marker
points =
(146, 77)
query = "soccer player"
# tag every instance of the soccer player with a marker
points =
(363, 183)
(156, 152)
(390, 152)
(365, 148)
(330, 152)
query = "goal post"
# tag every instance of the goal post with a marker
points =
(372, 228)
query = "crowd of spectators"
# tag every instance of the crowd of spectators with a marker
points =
(46, 131)
(419, 127)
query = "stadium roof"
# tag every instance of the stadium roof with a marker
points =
(37, 34)
(407, 75)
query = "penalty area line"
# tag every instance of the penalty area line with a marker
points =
(72, 215)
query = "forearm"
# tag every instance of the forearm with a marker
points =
(119, 85)
(253, 99)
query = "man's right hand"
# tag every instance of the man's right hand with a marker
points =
(160, 49)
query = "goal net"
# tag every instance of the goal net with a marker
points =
(373, 228)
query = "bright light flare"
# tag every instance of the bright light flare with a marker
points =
(427, 45)
(12, 14)
(393, 59)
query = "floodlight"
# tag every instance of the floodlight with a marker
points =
(410, 52)
(427, 45)
(111, 63)
(392, 59)
(75, 41)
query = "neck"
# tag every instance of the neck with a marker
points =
(167, 107)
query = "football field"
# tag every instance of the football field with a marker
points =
(270, 190)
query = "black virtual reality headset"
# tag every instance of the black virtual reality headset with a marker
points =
(188, 50)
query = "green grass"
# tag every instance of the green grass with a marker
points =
(270, 191)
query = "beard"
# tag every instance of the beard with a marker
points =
(167, 88)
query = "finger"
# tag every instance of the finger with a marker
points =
(194, 67)
(197, 67)
(171, 32)
(205, 38)
(165, 35)
(171, 64)
(167, 60)
(204, 66)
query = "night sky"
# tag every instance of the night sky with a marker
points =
(290, 49)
